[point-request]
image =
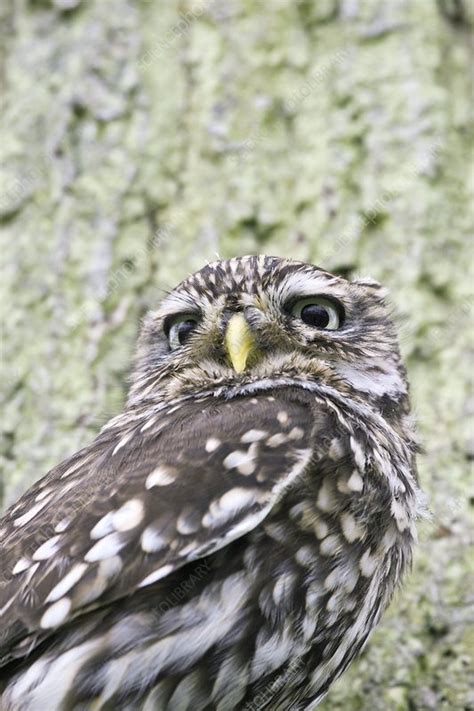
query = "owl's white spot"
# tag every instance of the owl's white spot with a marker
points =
(355, 481)
(27, 681)
(253, 436)
(333, 603)
(349, 603)
(359, 454)
(389, 538)
(330, 545)
(30, 514)
(21, 565)
(296, 433)
(156, 575)
(109, 568)
(152, 541)
(313, 595)
(334, 579)
(229, 504)
(326, 501)
(30, 572)
(43, 494)
(64, 585)
(277, 439)
(277, 531)
(161, 476)
(350, 579)
(367, 564)
(47, 549)
(62, 525)
(321, 529)
(129, 515)
(105, 548)
(282, 417)
(56, 614)
(212, 444)
(400, 515)
(126, 438)
(271, 399)
(244, 462)
(103, 527)
(342, 486)
(309, 627)
(351, 528)
(254, 401)
(236, 499)
(305, 556)
(270, 652)
(67, 487)
(336, 449)
(187, 523)
(283, 586)
(148, 423)
(72, 469)
(192, 550)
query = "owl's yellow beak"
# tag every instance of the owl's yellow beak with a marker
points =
(239, 342)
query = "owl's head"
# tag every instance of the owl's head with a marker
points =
(256, 321)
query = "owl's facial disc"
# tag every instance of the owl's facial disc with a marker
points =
(259, 318)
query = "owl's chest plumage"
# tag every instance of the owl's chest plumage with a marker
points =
(323, 568)
(296, 596)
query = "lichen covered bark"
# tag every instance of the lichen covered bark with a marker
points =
(141, 139)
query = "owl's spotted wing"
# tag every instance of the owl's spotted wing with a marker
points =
(133, 507)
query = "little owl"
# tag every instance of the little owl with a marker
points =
(231, 539)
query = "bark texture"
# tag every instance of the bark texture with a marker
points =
(142, 138)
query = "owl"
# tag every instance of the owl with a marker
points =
(230, 540)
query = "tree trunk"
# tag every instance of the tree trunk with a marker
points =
(142, 138)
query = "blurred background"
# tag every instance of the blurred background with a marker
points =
(140, 139)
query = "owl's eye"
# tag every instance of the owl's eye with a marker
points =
(318, 312)
(180, 328)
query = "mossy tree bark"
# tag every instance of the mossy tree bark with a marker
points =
(141, 138)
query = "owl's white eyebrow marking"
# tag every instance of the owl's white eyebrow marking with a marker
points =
(177, 302)
(301, 283)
